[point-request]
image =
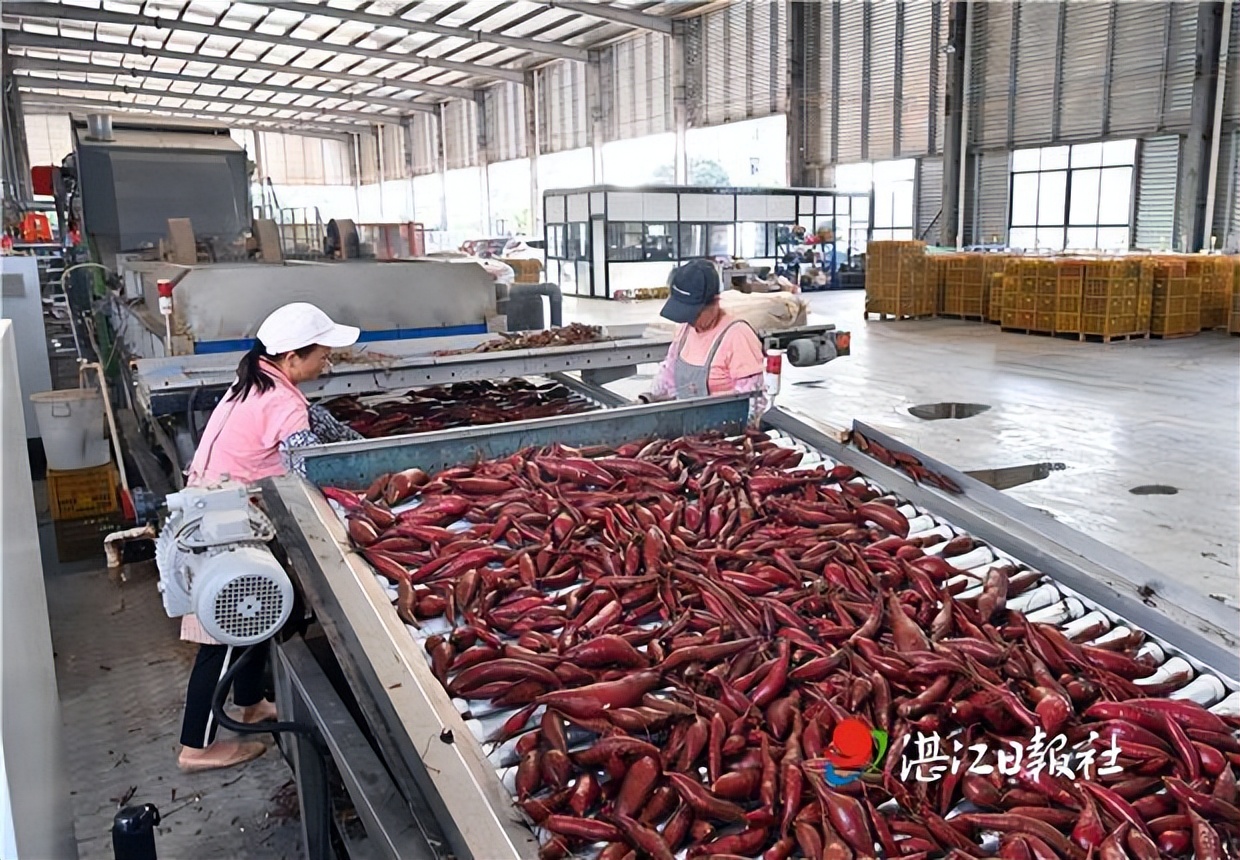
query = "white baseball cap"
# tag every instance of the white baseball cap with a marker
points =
(301, 324)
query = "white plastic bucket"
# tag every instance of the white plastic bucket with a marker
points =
(72, 427)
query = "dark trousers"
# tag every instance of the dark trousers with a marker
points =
(248, 686)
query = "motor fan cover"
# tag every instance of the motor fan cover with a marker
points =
(241, 594)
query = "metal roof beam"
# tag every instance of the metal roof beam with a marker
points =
(57, 12)
(615, 14)
(70, 43)
(28, 83)
(37, 103)
(539, 46)
(33, 64)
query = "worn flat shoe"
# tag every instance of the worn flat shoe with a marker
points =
(221, 754)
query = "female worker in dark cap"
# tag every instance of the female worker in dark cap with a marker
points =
(712, 352)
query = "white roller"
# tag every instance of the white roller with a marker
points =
(1058, 613)
(1154, 651)
(1036, 598)
(1118, 634)
(1229, 707)
(944, 532)
(1205, 691)
(975, 557)
(1174, 669)
(919, 523)
(1094, 620)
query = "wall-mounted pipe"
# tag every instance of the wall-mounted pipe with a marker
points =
(965, 106)
(1216, 137)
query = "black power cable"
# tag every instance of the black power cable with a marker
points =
(221, 693)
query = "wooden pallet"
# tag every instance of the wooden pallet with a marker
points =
(1173, 336)
(1106, 338)
(968, 317)
(1027, 331)
(883, 317)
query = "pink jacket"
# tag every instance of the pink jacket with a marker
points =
(242, 440)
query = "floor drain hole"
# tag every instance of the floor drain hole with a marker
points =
(1153, 490)
(939, 411)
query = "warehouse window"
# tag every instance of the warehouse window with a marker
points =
(1073, 197)
(893, 199)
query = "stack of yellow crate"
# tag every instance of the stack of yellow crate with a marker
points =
(1145, 292)
(1233, 317)
(897, 281)
(994, 306)
(1029, 289)
(1110, 303)
(1218, 274)
(1069, 290)
(1176, 309)
(967, 284)
(936, 273)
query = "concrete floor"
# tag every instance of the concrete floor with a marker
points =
(121, 672)
(1116, 415)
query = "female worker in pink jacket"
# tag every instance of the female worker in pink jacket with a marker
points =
(253, 434)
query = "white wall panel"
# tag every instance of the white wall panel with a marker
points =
(622, 206)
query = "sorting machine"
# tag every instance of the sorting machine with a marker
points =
(172, 396)
(381, 743)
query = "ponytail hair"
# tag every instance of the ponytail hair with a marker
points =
(251, 377)
(250, 374)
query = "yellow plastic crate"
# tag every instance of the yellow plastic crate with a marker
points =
(77, 493)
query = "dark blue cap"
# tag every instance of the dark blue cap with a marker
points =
(692, 287)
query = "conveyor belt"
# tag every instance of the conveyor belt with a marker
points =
(469, 783)
(462, 404)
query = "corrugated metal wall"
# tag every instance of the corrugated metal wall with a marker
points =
(1158, 171)
(990, 220)
(736, 63)
(460, 139)
(504, 108)
(1121, 71)
(881, 77)
(564, 113)
(423, 130)
(1077, 71)
(637, 87)
(929, 199)
(1226, 227)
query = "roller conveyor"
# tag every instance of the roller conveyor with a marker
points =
(169, 386)
(433, 745)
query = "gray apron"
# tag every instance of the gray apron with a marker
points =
(693, 380)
